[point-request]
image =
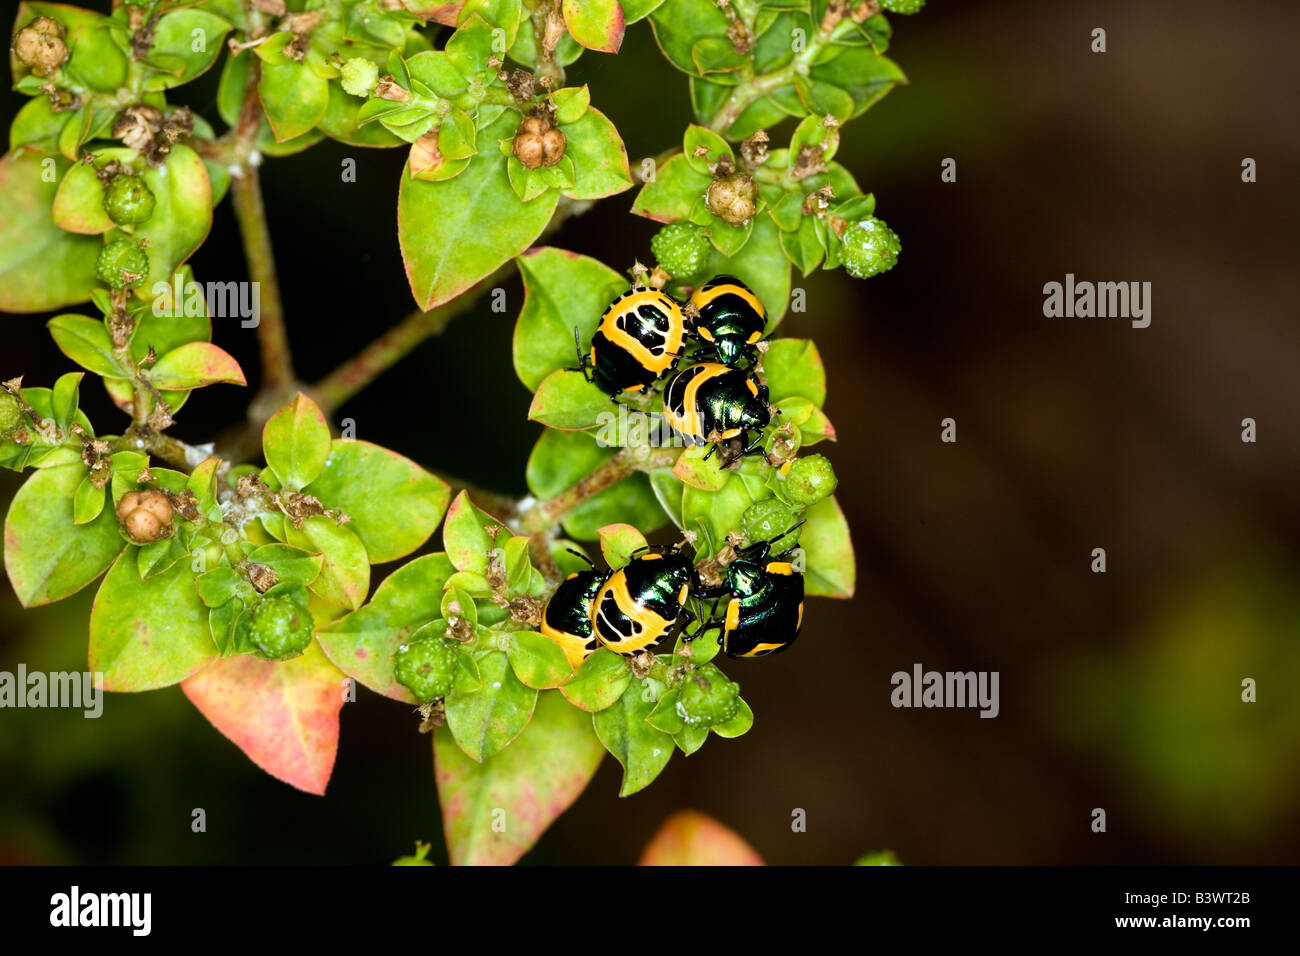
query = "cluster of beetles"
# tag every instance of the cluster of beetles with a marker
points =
(640, 341)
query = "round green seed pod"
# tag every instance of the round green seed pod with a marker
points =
(358, 76)
(122, 264)
(770, 520)
(707, 698)
(426, 668)
(681, 249)
(128, 200)
(281, 628)
(869, 248)
(811, 479)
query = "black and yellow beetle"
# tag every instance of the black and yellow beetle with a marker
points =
(641, 604)
(710, 402)
(765, 602)
(566, 619)
(730, 319)
(639, 339)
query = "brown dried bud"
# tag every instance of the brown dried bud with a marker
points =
(137, 126)
(733, 199)
(754, 149)
(146, 516)
(538, 143)
(388, 89)
(40, 47)
(262, 576)
(61, 100)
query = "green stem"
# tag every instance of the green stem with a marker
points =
(277, 363)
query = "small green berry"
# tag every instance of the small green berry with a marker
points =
(681, 249)
(426, 667)
(902, 6)
(11, 413)
(707, 698)
(810, 479)
(869, 248)
(281, 627)
(359, 76)
(128, 200)
(122, 264)
(769, 520)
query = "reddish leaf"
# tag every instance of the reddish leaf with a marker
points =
(283, 714)
(596, 24)
(196, 364)
(691, 838)
(494, 811)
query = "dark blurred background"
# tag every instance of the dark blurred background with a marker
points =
(1118, 690)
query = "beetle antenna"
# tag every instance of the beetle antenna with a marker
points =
(578, 554)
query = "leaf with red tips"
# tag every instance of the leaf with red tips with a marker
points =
(532, 781)
(691, 838)
(596, 24)
(194, 365)
(283, 714)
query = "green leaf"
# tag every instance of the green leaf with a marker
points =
(715, 513)
(674, 192)
(565, 399)
(296, 442)
(690, 739)
(88, 501)
(345, 575)
(596, 24)
(700, 468)
(533, 781)
(794, 367)
(599, 682)
(394, 504)
(151, 633)
(283, 714)
(466, 535)
(618, 542)
(294, 96)
(363, 642)
(679, 24)
(86, 342)
(486, 721)
(828, 551)
(702, 148)
(642, 750)
(538, 661)
(41, 266)
(47, 555)
(455, 232)
(194, 365)
(173, 52)
(79, 202)
(570, 103)
(863, 74)
(664, 716)
(563, 291)
(291, 565)
(598, 155)
(737, 725)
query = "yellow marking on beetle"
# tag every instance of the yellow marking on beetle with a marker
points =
(780, 567)
(645, 358)
(703, 297)
(572, 576)
(688, 423)
(762, 649)
(636, 388)
(799, 623)
(705, 334)
(733, 615)
(651, 556)
(575, 648)
(785, 469)
(755, 336)
(731, 433)
(653, 627)
(684, 593)
(753, 388)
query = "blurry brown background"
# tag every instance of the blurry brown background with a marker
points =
(1118, 690)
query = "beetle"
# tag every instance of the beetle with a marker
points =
(711, 402)
(730, 319)
(765, 602)
(566, 619)
(638, 341)
(639, 605)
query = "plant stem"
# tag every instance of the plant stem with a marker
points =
(542, 516)
(277, 363)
